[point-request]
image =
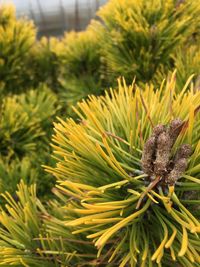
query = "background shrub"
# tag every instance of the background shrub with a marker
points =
(26, 122)
(139, 37)
(81, 66)
(16, 39)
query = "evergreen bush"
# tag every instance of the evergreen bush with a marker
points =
(26, 122)
(187, 62)
(16, 39)
(45, 62)
(134, 215)
(81, 69)
(138, 37)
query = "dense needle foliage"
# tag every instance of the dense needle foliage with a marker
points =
(99, 168)
(80, 58)
(139, 37)
(25, 124)
(16, 39)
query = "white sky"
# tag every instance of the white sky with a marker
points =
(47, 5)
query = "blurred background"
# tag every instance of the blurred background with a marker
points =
(53, 17)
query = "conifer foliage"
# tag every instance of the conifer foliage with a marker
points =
(140, 36)
(132, 217)
(16, 39)
(25, 124)
(126, 186)
(81, 71)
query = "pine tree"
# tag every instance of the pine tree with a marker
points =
(16, 39)
(130, 169)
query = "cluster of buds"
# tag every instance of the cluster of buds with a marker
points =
(156, 158)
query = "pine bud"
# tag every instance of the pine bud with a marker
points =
(162, 153)
(174, 130)
(179, 168)
(158, 129)
(147, 155)
(184, 151)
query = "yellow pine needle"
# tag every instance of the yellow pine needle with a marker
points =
(15, 214)
(121, 212)
(125, 260)
(82, 220)
(139, 133)
(104, 221)
(190, 256)
(172, 253)
(120, 183)
(85, 212)
(186, 86)
(109, 161)
(145, 252)
(148, 189)
(194, 253)
(135, 247)
(118, 247)
(138, 177)
(23, 263)
(99, 252)
(99, 208)
(68, 192)
(103, 239)
(78, 185)
(159, 250)
(146, 110)
(29, 213)
(143, 263)
(187, 218)
(90, 199)
(119, 202)
(39, 251)
(133, 261)
(131, 142)
(10, 201)
(93, 118)
(170, 241)
(133, 258)
(133, 244)
(150, 196)
(176, 217)
(134, 192)
(163, 198)
(191, 124)
(171, 191)
(85, 229)
(158, 260)
(179, 220)
(113, 159)
(184, 243)
(196, 230)
(194, 220)
(96, 234)
(94, 193)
